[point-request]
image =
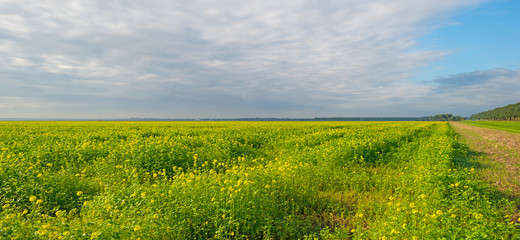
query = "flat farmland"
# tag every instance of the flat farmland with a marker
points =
(244, 180)
(509, 126)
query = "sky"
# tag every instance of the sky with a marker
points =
(257, 58)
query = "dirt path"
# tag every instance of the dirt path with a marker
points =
(498, 154)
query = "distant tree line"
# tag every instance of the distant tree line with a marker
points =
(438, 117)
(510, 112)
(445, 117)
(369, 119)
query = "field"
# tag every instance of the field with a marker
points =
(498, 154)
(244, 180)
(500, 125)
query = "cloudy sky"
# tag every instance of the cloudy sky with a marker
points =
(265, 58)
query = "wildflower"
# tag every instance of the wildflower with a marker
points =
(79, 193)
(94, 235)
(137, 228)
(39, 201)
(60, 213)
(33, 198)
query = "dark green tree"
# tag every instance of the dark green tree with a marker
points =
(510, 112)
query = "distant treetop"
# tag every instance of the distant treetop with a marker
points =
(510, 112)
(445, 117)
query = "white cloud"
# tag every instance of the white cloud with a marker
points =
(469, 93)
(310, 56)
(13, 102)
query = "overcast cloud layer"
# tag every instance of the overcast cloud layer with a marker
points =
(298, 58)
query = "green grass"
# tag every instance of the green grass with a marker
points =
(499, 125)
(243, 180)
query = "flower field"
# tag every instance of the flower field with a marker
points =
(243, 180)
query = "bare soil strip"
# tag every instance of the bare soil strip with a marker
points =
(498, 154)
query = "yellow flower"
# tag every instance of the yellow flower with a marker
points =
(33, 198)
(61, 213)
(94, 235)
(39, 201)
(137, 228)
(79, 193)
